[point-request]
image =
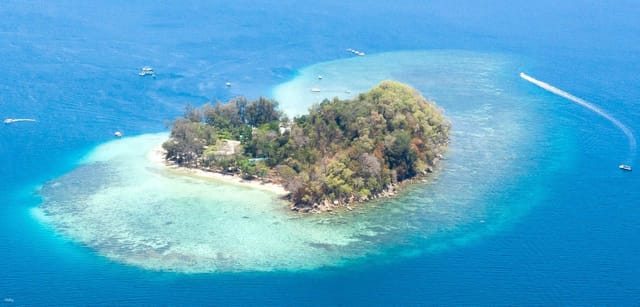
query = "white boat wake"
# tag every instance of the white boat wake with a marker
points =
(548, 87)
(15, 120)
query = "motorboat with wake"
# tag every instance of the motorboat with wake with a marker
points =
(15, 120)
(625, 167)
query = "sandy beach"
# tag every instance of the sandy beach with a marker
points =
(157, 155)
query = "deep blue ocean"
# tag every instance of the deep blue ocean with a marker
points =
(74, 67)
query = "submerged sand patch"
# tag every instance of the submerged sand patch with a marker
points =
(140, 212)
(126, 205)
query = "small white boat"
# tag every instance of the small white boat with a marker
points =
(228, 84)
(319, 77)
(118, 134)
(625, 167)
(356, 52)
(146, 71)
(315, 89)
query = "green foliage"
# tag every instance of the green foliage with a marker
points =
(246, 168)
(357, 148)
(188, 141)
(262, 111)
(192, 113)
(342, 149)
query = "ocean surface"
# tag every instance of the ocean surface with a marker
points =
(529, 206)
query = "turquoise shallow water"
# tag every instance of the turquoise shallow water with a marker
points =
(540, 216)
(132, 210)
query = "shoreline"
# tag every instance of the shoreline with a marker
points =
(157, 154)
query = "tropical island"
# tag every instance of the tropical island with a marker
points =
(341, 153)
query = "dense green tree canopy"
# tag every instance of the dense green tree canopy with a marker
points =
(345, 150)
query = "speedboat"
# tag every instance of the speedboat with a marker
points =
(146, 71)
(625, 167)
(315, 89)
(15, 120)
(356, 52)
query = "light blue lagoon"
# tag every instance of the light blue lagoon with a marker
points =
(528, 207)
(134, 210)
